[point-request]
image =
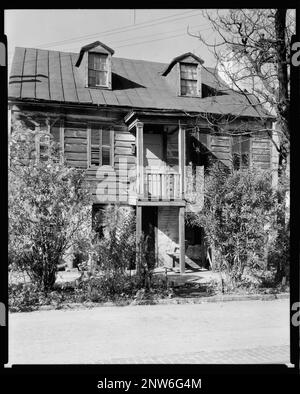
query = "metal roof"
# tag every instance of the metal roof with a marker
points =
(43, 75)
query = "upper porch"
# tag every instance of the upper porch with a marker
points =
(160, 160)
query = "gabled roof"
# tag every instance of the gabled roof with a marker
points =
(179, 59)
(39, 75)
(92, 46)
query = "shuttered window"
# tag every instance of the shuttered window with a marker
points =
(188, 79)
(43, 143)
(97, 69)
(102, 142)
(241, 152)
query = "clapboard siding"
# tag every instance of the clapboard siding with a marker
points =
(112, 184)
(261, 152)
(220, 146)
(75, 144)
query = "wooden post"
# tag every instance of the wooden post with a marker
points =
(9, 134)
(138, 237)
(140, 159)
(181, 158)
(181, 240)
(62, 139)
(89, 143)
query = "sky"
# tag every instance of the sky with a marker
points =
(146, 34)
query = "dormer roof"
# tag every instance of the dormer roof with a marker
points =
(180, 58)
(39, 75)
(96, 46)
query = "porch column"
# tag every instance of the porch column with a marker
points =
(140, 159)
(181, 240)
(138, 233)
(181, 158)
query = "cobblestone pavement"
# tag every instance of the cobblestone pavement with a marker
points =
(225, 332)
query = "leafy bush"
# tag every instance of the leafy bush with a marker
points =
(49, 212)
(23, 297)
(117, 247)
(240, 213)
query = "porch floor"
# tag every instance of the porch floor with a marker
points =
(201, 276)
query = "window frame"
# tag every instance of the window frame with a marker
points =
(107, 71)
(48, 135)
(100, 130)
(197, 80)
(237, 141)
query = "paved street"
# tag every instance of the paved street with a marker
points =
(228, 332)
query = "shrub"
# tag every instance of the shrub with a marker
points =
(240, 212)
(49, 213)
(25, 297)
(116, 248)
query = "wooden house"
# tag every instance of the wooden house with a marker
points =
(143, 131)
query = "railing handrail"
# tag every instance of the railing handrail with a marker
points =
(168, 172)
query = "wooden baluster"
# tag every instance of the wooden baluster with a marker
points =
(164, 188)
(150, 186)
(176, 185)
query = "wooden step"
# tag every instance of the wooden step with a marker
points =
(191, 263)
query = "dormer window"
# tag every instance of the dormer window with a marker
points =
(95, 60)
(97, 70)
(184, 75)
(188, 79)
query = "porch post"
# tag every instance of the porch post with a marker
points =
(181, 240)
(138, 237)
(9, 134)
(140, 159)
(181, 158)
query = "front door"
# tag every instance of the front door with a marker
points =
(149, 228)
(153, 152)
(153, 163)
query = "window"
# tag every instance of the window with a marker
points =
(43, 144)
(188, 79)
(97, 69)
(241, 152)
(102, 142)
(98, 213)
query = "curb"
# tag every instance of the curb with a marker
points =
(224, 298)
(170, 301)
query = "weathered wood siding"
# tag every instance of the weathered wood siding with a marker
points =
(75, 144)
(220, 146)
(261, 152)
(109, 184)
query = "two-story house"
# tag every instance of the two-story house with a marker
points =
(143, 131)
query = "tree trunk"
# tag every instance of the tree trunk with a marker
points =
(283, 105)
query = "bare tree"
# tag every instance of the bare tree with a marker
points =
(252, 51)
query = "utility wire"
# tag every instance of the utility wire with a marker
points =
(118, 30)
(140, 42)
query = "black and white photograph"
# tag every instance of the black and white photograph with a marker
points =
(149, 187)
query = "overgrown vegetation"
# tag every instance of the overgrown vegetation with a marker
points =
(49, 211)
(242, 221)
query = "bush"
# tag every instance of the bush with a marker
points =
(49, 213)
(240, 213)
(23, 297)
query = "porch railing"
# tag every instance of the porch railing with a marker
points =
(162, 186)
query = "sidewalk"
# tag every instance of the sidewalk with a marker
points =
(238, 331)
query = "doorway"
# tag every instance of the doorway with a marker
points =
(149, 228)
